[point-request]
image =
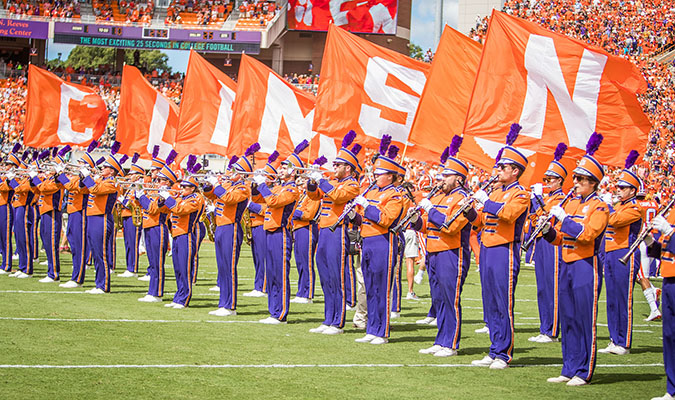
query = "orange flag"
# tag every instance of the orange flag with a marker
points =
(205, 109)
(446, 96)
(369, 89)
(559, 90)
(146, 117)
(60, 112)
(268, 110)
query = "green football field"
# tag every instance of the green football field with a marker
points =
(63, 343)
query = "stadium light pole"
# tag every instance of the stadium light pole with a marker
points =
(438, 31)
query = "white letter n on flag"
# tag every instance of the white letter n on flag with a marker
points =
(579, 111)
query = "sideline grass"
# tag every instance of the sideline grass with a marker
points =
(192, 337)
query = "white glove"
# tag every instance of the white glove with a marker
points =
(259, 179)
(649, 240)
(139, 193)
(120, 199)
(558, 212)
(538, 189)
(607, 198)
(315, 176)
(546, 228)
(426, 204)
(213, 180)
(10, 175)
(481, 196)
(164, 194)
(59, 168)
(85, 172)
(32, 173)
(360, 200)
(662, 225)
(210, 208)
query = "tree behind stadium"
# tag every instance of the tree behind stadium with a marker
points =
(93, 57)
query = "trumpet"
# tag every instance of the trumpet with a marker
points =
(469, 202)
(542, 223)
(348, 208)
(416, 211)
(645, 232)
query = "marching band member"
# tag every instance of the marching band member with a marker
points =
(582, 223)
(625, 223)
(230, 200)
(501, 219)
(156, 229)
(132, 233)
(22, 205)
(547, 256)
(184, 217)
(6, 212)
(256, 212)
(664, 249)
(448, 252)
(76, 207)
(650, 209)
(382, 208)
(49, 203)
(305, 234)
(280, 200)
(103, 193)
(331, 253)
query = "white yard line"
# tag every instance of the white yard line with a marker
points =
(285, 366)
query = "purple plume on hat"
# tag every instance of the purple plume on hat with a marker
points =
(100, 161)
(233, 160)
(36, 154)
(513, 134)
(44, 154)
(64, 150)
(559, 151)
(135, 158)
(155, 151)
(348, 139)
(92, 146)
(302, 146)
(196, 168)
(54, 151)
(445, 155)
(455, 144)
(632, 157)
(273, 157)
(192, 159)
(25, 155)
(392, 152)
(499, 155)
(356, 149)
(171, 157)
(384, 144)
(252, 149)
(320, 161)
(593, 143)
(115, 147)
(16, 147)
(124, 159)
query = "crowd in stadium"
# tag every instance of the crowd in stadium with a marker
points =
(54, 9)
(201, 12)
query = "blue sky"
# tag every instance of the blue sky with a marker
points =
(421, 32)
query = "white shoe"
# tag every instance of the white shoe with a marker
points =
(47, 279)
(14, 274)
(333, 330)
(653, 316)
(170, 305)
(498, 363)
(271, 321)
(348, 307)
(535, 338)
(366, 339)
(394, 315)
(145, 278)
(576, 381)
(619, 350)
(70, 285)
(22, 275)
(546, 339)
(223, 312)
(301, 300)
(43, 262)
(411, 296)
(319, 329)
(431, 350)
(15, 257)
(419, 277)
(483, 362)
(445, 352)
(425, 321)
(434, 322)
(178, 307)
(484, 329)
(666, 396)
(127, 274)
(254, 293)
(3, 272)
(559, 379)
(379, 340)
(607, 349)
(94, 291)
(150, 299)
(215, 289)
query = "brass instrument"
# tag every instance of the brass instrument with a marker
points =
(469, 202)
(348, 208)
(542, 223)
(136, 214)
(645, 232)
(117, 217)
(209, 223)
(416, 211)
(248, 230)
